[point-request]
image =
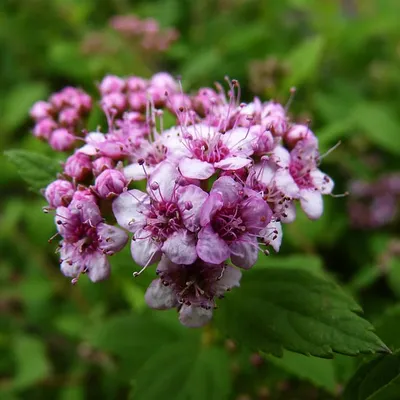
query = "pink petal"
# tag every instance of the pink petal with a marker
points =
(160, 297)
(281, 157)
(195, 169)
(311, 202)
(213, 203)
(244, 252)
(194, 317)
(210, 247)
(232, 163)
(255, 214)
(180, 247)
(136, 172)
(70, 266)
(196, 197)
(126, 209)
(239, 141)
(144, 251)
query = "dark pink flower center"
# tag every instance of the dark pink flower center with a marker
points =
(228, 224)
(301, 174)
(209, 152)
(163, 219)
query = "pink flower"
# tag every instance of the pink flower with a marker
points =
(86, 241)
(299, 172)
(231, 219)
(164, 220)
(101, 164)
(110, 183)
(201, 149)
(44, 128)
(59, 193)
(192, 288)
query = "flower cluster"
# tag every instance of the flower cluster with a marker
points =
(219, 183)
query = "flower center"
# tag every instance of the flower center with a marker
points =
(163, 219)
(209, 152)
(228, 224)
(301, 174)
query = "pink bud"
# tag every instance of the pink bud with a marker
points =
(178, 101)
(164, 82)
(297, 133)
(114, 101)
(101, 164)
(136, 84)
(110, 182)
(85, 102)
(61, 140)
(40, 110)
(69, 116)
(111, 84)
(44, 128)
(84, 195)
(59, 193)
(137, 101)
(78, 166)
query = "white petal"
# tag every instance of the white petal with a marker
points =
(180, 247)
(322, 182)
(160, 297)
(244, 252)
(196, 197)
(311, 202)
(273, 235)
(281, 156)
(230, 278)
(112, 238)
(286, 184)
(290, 212)
(232, 163)
(136, 172)
(126, 209)
(144, 251)
(194, 317)
(195, 169)
(165, 176)
(98, 267)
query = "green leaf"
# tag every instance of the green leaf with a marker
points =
(394, 275)
(296, 310)
(388, 327)
(184, 371)
(31, 360)
(320, 372)
(19, 101)
(36, 169)
(379, 379)
(304, 60)
(380, 126)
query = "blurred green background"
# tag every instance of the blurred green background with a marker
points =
(343, 56)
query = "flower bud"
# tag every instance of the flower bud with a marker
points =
(137, 101)
(84, 195)
(111, 84)
(85, 102)
(59, 193)
(136, 84)
(101, 164)
(44, 128)
(114, 101)
(40, 110)
(78, 166)
(110, 182)
(164, 82)
(297, 133)
(69, 116)
(61, 140)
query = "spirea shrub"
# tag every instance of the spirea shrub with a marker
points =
(220, 184)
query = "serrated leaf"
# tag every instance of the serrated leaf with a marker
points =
(184, 371)
(31, 360)
(380, 126)
(320, 372)
(303, 60)
(36, 169)
(298, 311)
(379, 379)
